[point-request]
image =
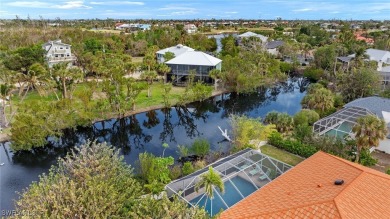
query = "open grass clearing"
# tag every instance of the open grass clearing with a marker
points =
(281, 155)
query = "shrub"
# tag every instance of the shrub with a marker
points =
(286, 67)
(388, 171)
(155, 171)
(338, 101)
(183, 150)
(200, 147)
(175, 172)
(306, 117)
(200, 164)
(188, 168)
(366, 159)
(313, 73)
(302, 132)
(292, 146)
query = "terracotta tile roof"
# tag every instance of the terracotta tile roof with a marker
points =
(308, 191)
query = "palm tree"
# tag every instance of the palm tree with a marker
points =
(215, 74)
(35, 78)
(165, 69)
(149, 76)
(5, 92)
(369, 130)
(210, 180)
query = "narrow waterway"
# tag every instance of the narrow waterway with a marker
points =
(147, 131)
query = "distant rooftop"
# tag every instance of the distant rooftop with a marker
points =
(251, 34)
(309, 190)
(274, 44)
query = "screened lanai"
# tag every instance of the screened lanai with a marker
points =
(341, 122)
(242, 174)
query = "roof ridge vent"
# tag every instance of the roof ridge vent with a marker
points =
(339, 182)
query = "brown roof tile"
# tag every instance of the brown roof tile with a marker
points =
(308, 191)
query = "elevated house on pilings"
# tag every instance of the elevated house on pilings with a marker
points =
(58, 52)
(201, 62)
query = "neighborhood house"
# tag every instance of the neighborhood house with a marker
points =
(58, 52)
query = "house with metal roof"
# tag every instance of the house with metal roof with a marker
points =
(272, 47)
(58, 52)
(176, 50)
(201, 62)
(322, 186)
(251, 34)
(341, 122)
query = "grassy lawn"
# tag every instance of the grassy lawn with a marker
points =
(281, 155)
(143, 101)
(137, 59)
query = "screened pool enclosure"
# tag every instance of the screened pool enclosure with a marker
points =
(242, 174)
(340, 123)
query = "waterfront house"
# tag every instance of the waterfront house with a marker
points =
(201, 62)
(340, 123)
(58, 52)
(322, 186)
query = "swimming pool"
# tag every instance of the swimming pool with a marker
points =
(340, 131)
(230, 197)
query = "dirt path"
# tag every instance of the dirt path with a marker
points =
(383, 161)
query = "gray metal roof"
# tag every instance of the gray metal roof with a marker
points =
(177, 50)
(375, 104)
(344, 58)
(251, 34)
(378, 55)
(195, 58)
(274, 44)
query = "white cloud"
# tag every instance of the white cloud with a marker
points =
(172, 8)
(231, 12)
(303, 10)
(38, 4)
(32, 4)
(72, 5)
(117, 3)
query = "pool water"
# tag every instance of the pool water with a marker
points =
(231, 195)
(344, 128)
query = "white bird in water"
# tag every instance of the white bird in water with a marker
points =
(224, 134)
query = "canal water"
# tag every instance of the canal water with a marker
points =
(148, 131)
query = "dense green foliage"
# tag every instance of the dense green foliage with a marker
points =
(362, 82)
(37, 120)
(94, 181)
(282, 121)
(292, 146)
(319, 99)
(200, 147)
(154, 171)
(188, 168)
(306, 117)
(246, 129)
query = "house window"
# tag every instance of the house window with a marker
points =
(67, 55)
(62, 55)
(56, 55)
(67, 47)
(61, 48)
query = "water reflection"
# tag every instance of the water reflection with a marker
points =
(147, 131)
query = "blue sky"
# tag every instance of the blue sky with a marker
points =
(193, 9)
